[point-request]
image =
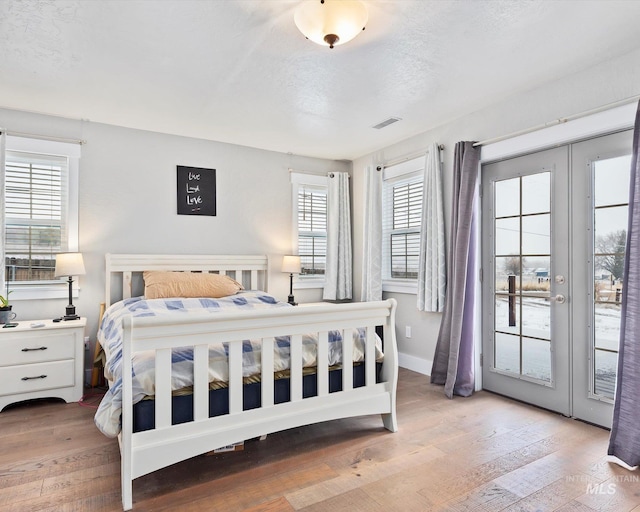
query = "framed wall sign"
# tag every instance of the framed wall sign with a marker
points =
(196, 191)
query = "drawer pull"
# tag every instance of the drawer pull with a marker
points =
(30, 349)
(32, 378)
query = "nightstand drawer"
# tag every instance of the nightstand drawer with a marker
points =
(37, 347)
(36, 377)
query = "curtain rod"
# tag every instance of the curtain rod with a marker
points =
(411, 156)
(311, 173)
(560, 120)
(44, 137)
(319, 173)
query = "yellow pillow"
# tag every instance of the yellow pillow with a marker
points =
(159, 284)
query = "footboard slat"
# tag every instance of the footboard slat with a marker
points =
(322, 363)
(370, 356)
(200, 382)
(163, 388)
(347, 360)
(295, 367)
(267, 372)
(235, 377)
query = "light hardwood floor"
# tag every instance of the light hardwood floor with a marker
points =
(483, 453)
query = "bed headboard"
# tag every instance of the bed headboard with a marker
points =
(124, 271)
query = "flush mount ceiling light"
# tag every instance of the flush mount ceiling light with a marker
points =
(331, 22)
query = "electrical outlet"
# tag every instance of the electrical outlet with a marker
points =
(408, 331)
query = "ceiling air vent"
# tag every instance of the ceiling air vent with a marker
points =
(386, 122)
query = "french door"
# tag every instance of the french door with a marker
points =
(554, 234)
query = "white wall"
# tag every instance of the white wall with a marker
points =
(127, 202)
(128, 179)
(603, 84)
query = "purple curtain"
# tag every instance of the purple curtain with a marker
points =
(624, 442)
(453, 359)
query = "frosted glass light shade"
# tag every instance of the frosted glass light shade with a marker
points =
(291, 264)
(332, 22)
(69, 264)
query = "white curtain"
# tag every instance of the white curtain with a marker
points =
(432, 280)
(338, 272)
(372, 243)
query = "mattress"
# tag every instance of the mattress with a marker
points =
(182, 402)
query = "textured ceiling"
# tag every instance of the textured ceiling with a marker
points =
(239, 71)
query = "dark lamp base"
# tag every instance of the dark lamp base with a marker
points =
(70, 313)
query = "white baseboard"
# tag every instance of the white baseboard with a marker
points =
(415, 364)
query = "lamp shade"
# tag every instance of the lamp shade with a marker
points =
(69, 264)
(332, 22)
(291, 264)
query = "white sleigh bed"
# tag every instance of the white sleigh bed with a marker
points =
(149, 450)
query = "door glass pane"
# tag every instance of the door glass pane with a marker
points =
(536, 317)
(610, 222)
(507, 314)
(536, 359)
(611, 180)
(507, 271)
(606, 364)
(507, 353)
(507, 197)
(607, 325)
(537, 270)
(537, 198)
(536, 234)
(508, 236)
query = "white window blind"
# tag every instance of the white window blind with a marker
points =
(312, 229)
(405, 233)
(36, 225)
(401, 220)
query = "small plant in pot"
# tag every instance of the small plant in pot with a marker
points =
(5, 311)
(4, 303)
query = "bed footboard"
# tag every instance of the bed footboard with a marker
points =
(148, 451)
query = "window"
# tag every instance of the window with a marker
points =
(40, 214)
(310, 227)
(405, 231)
(312, 230)
(34, 215)
(402, 217)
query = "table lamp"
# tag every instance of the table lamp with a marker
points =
(69, 264)
(291, 264)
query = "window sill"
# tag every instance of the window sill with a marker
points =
(308, 284)
(43, 291)
(400, 286)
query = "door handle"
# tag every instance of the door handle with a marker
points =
(560, 299)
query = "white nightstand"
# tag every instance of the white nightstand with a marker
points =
(41, 362)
